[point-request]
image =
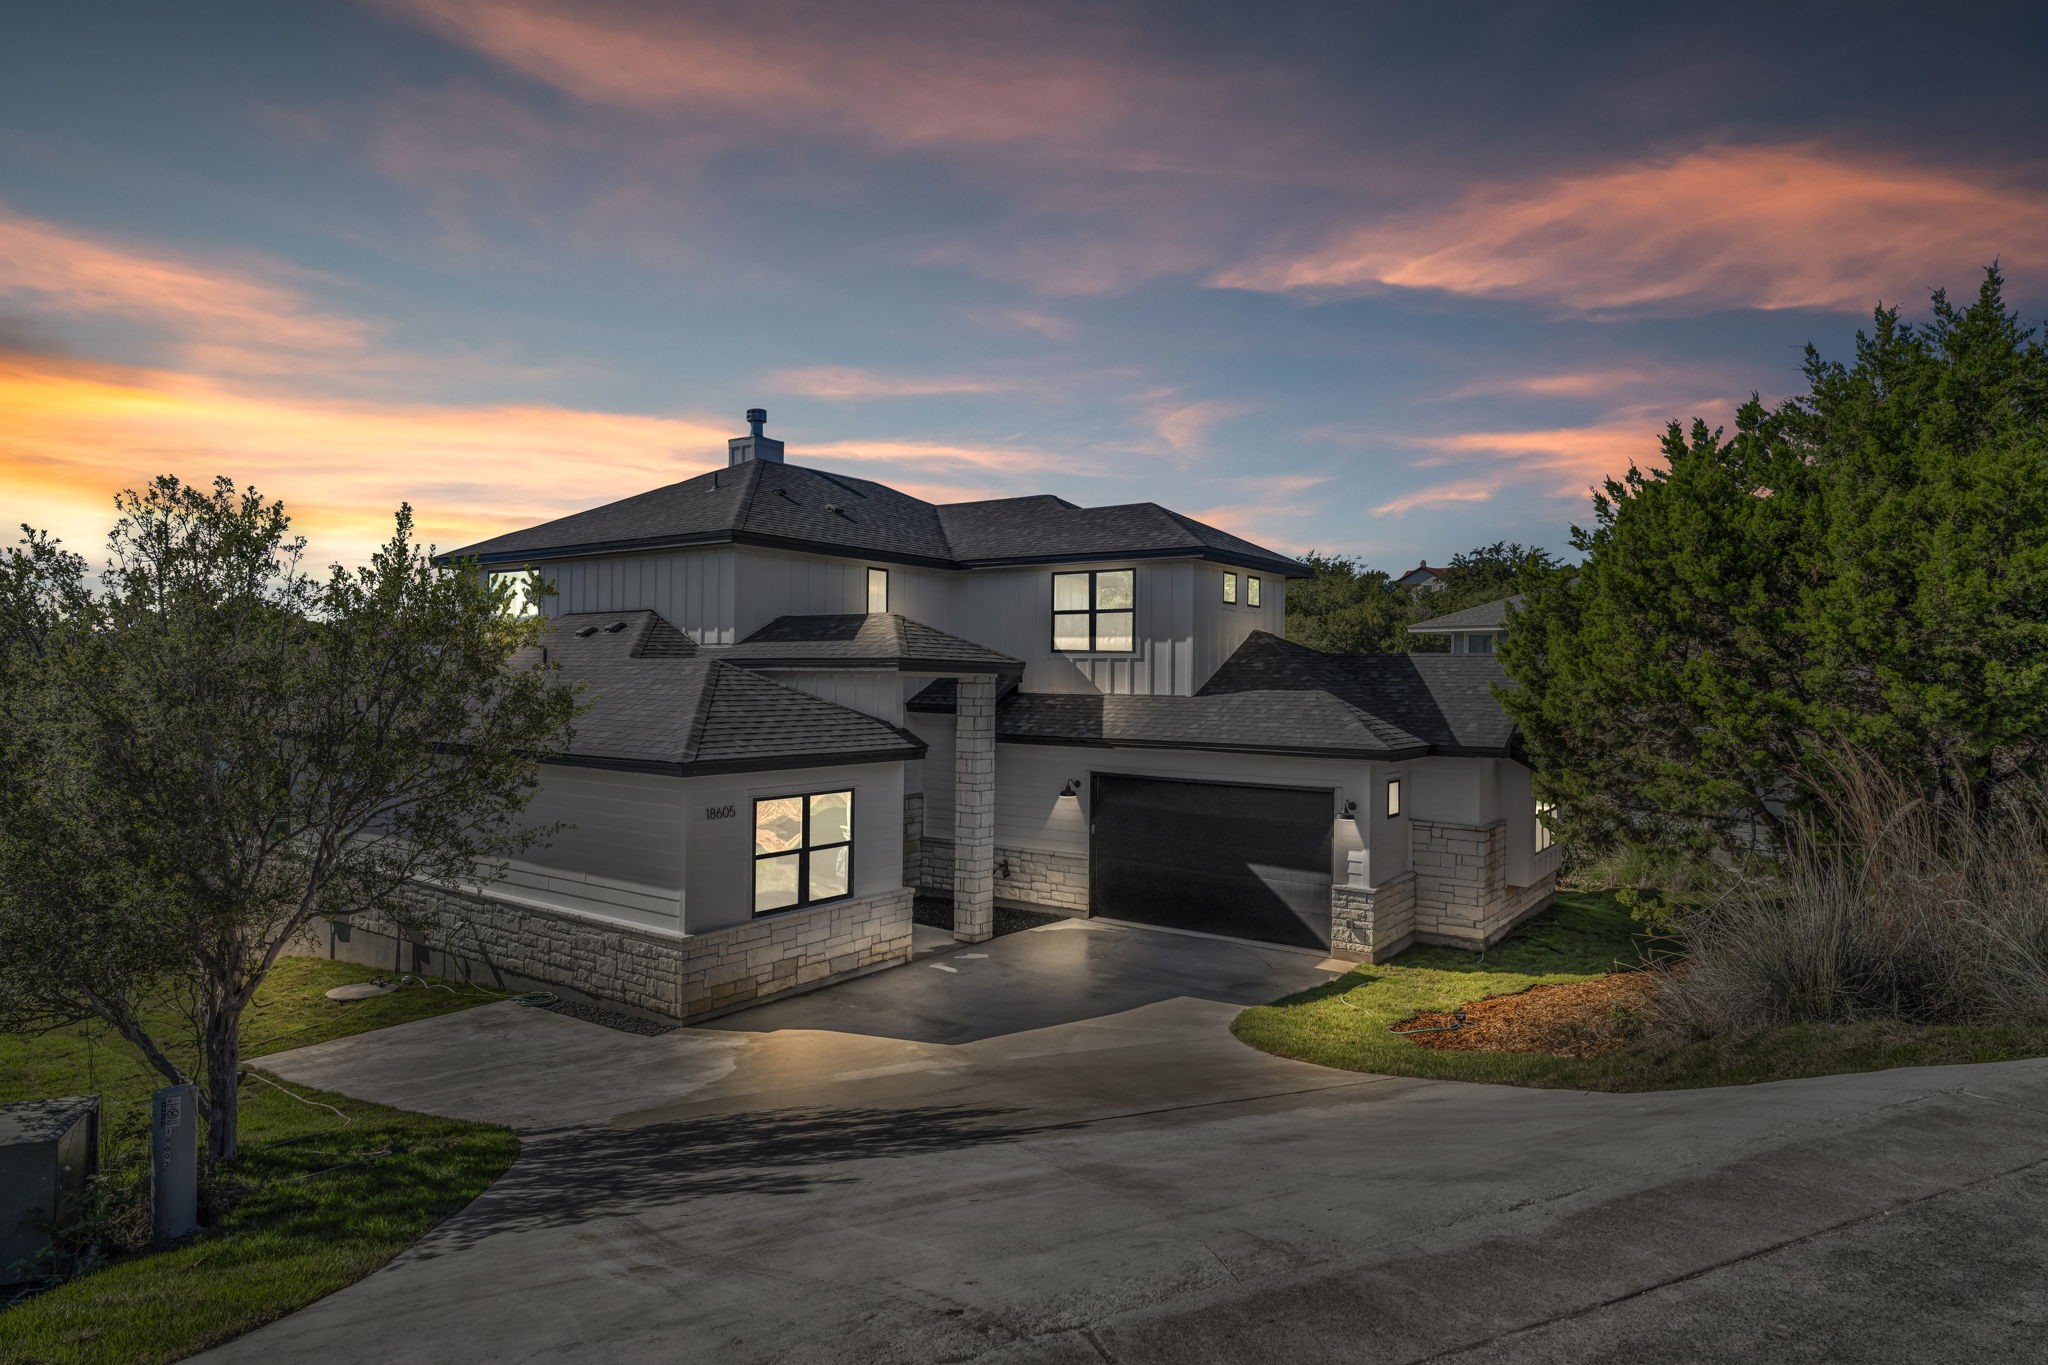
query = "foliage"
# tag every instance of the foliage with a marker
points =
(305, 1221)
(1346, 1023)
(1864, 565)
(1346, 608)
(211, 748)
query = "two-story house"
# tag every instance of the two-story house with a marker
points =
(812, 696)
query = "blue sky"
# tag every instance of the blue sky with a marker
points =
(1390, 281)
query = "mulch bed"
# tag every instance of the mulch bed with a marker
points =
(1579, 1019)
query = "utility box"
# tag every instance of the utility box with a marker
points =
(48, 1150)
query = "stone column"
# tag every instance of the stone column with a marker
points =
(974, 810)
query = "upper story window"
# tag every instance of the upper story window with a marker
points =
(517, 586)
(1251, 591)
(1230, 588)
(878, 591)
(1479, 644)
(1393, 797)
(803, 849)
(1095, 611)
(1544, 811)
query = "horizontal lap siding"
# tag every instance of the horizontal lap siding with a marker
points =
(621, 853)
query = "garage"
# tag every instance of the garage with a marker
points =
(1217, 858)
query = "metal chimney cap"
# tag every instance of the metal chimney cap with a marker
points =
(757, 414)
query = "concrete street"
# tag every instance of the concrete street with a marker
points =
(1048, 1148)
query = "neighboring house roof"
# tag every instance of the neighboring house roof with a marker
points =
(1273, 696)
(1485, 616)
(1418, 576)
(765, 502)
(657, 704)
(878, 640)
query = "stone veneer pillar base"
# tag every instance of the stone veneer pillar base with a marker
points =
(974, 809)
(1372, 923)
(513, 945)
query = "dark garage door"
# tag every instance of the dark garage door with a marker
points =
(1250, 862)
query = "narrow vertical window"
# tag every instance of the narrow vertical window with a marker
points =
(1230, 588)
(1251, 591)
(1544, 811)
(803, 850)
(878, 591)
(1393, 797)
(1095, 611)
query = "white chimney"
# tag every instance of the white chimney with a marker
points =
(755, 446)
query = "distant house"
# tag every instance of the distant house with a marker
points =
(813, 696)
(1421, 576)
(1475, 630)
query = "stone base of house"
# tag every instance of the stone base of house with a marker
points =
(515, 945)
(1025, 878)
(1372, 923)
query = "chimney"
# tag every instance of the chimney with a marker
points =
(753, 446)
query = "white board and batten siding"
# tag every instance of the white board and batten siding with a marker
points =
(877, 691)
(1031, 813)
(776, 583)
(720, 824)
(691, 589)
(620, 855)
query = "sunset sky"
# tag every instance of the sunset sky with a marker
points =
(1384, 280)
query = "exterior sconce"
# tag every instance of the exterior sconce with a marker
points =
(1073, 787)
(1350, 809)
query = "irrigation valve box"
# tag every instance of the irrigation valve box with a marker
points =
(48, 1150)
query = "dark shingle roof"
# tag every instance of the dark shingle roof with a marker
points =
(769, 503)
(1272, 696)
(656, 704)
(878, 640)
(1485, 616)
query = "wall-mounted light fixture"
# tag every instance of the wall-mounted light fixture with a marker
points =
(1350, 809)
(1073, 787)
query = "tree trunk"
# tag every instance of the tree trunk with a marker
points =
(223, 1067)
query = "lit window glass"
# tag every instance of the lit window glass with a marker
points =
(878, 591)
(517, 598)
(1095, 611)
(803, 849)
(1544, 811)
(1393, 797)
(1251, 591)
(1230, 587)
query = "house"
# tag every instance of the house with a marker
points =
(1475, 630)
(1419, 577)
(814, 697)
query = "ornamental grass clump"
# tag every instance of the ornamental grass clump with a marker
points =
(1920, 908)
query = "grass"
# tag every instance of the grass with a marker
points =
(1345, 1023)
(324, 1202)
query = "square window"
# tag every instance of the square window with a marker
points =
(518, 589)
(1393, 797)
(1095, 611)
(1230, 588)
(1251, 591)
(803, 849)
(878, 591)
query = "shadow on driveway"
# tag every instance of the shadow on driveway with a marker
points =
(569, 1176)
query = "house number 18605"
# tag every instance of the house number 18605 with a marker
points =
(720, 812)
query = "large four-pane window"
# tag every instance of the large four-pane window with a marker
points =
(1095, 611)
(803, 849)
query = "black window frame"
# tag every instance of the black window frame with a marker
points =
(1393, 798)
(1545, 838)
(804, 848)
(1229, 588)
(1252, 595)
(872, 571)
(1092, 611)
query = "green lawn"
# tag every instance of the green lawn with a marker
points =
(326, 1202)
(1346, 1022)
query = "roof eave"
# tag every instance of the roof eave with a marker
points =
(902, 753)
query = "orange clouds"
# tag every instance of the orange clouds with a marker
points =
(225, 316)
(1759, 227)
(846, 382)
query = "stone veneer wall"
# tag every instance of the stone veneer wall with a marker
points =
(1042, 880)
(1461, 894)
(913, 839)
(1372, 923)
(974, 808)
(683, 976)
(935, 867)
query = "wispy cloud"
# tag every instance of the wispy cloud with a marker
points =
(1267, 505)
(1792, 226)
(943, 455)
(846, 382)
(1184, 426)
(1440, 495)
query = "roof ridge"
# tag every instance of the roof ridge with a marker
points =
(752, 474)
(700, 720)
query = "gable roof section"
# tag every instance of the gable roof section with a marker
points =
(656, 704)
(878, 640)
(1485, 616)
(1445, 702)
(763, 502)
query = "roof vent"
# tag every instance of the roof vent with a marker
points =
(753, 446)
(585, 632)
(615, 627)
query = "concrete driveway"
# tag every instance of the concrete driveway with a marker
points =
(1048, 1148)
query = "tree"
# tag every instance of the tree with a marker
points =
(1346, 608)
(224, 749)
(1863, 567)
